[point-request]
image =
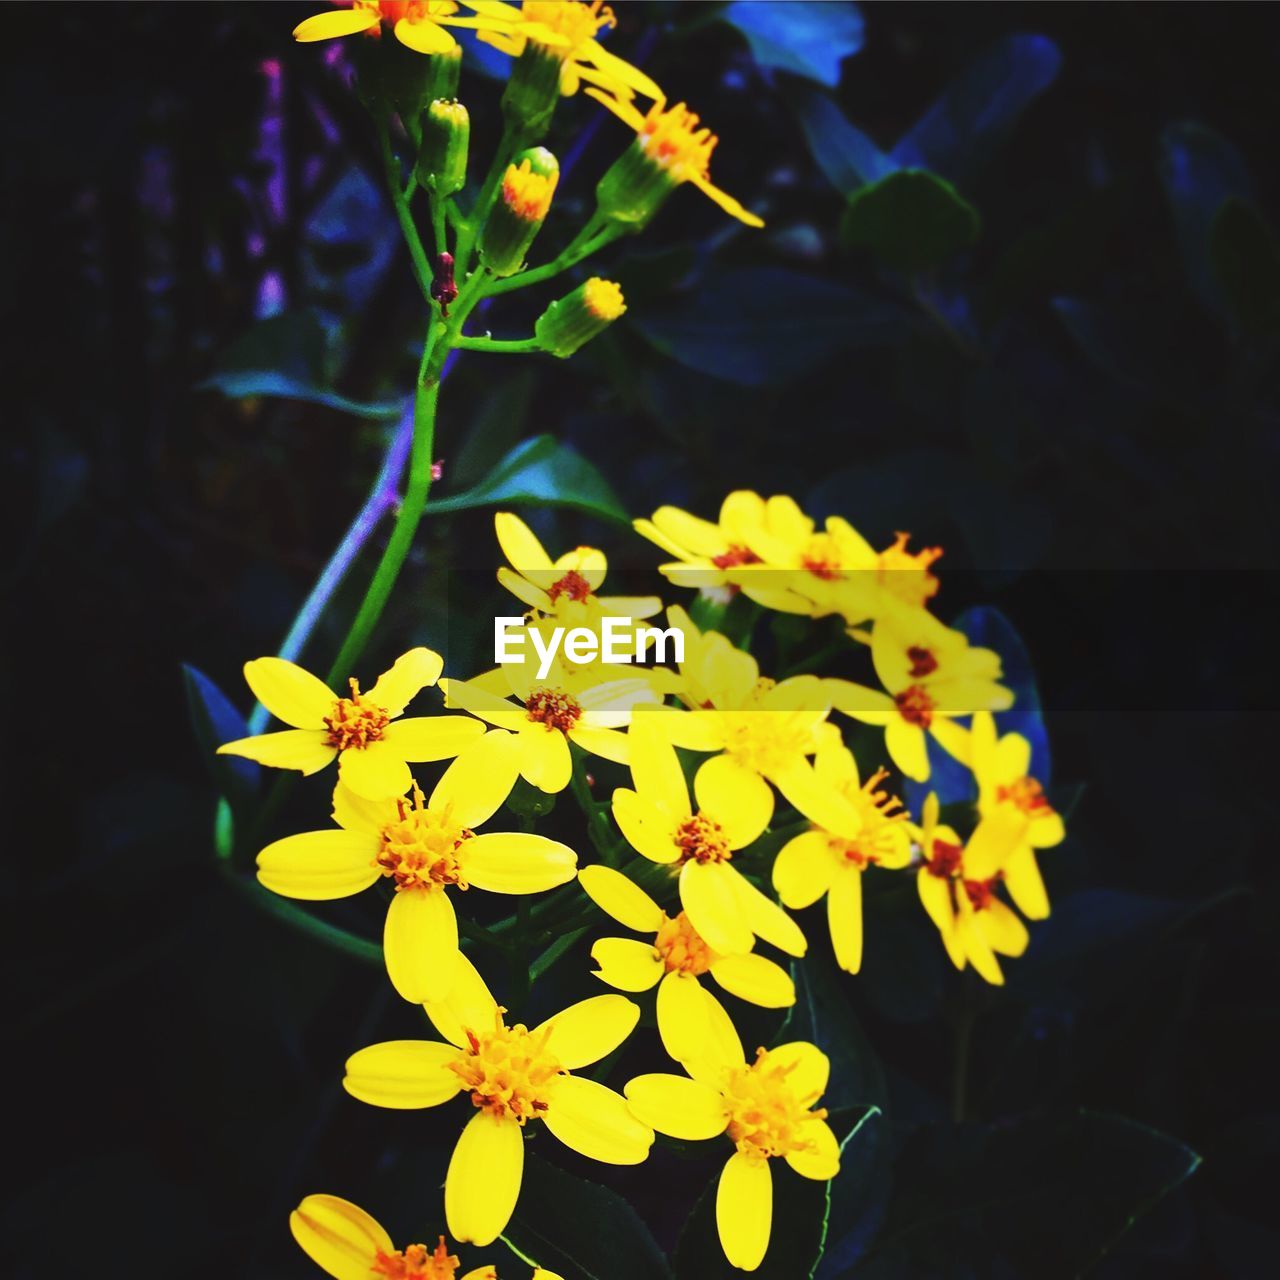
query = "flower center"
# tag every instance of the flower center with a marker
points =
(526, 193)
(355, 722)
(415, 1263)
(881, 813)
(915, 705)
(412, 10)
(944, 862)
(765, 741)
(508, 1070)
(822, 557)
(906, 573)
(701, 840)
(735, 556)
(671, 138)
(576, 21)
(420, 846)
(923, 662)
(682, 948)
(1027, 794)
(573, 585)
(554, 708)
(981, 893)
(765, 1116)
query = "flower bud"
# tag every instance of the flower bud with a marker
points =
(572, 321)
(634, 188)
(442, 160)
(532, 91)
(519, 210)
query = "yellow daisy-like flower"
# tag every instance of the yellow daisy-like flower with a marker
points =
(364, 731)
(957, 883)
(932, 675)
(426, 847)
(819, 862)
(564, 31)
(1001, 768)
(349, 1244)
(674, 961)
(512, 1075)
(658, 821)
(418, 24)
(766, 1108)
(671, 148)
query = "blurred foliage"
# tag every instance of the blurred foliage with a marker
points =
(1018, 294)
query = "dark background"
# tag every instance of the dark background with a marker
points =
(1102, 469)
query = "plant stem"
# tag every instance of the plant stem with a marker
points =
(438, 218)
(507, 145)
(580, 247)
(497, 344)
(421, 267)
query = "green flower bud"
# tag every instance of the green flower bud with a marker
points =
(442, 160)
(533, 89)
(572, 321)
(519, 210)
(634, 188)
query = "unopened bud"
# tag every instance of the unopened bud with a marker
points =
(446, 134)
(519, 211)
(533, 89)
(572, 321)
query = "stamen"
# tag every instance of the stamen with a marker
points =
(573, 585)
(554, 708)
(355, 722)
(701, 839)
(915, 705)
(682, 947)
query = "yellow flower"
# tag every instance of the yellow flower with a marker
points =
(819, 862)
(659, 822)
(512, 1075)
(350, 1244)
(425, 847)
(1000, 766)
(670, 148)
(765, 1107)
(957, 883)
(932, 674)
(363, 730)
(565, 31)
(674, 961)
(418, 24)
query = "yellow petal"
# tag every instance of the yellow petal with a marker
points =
(755, 979)
(953, 738)
(473, 696)
(545, 761)
(596, 1122)
(420, 943)
(289, 692)
(338, 22)
(693, 730)
(935, 896)
(338, 1236)
(768, 920)
(527, 593)
(821, 1160)
(647, 829)
(684, 1017)
(677, 1106)
(303, 749)
(1026, 886)
(376, 772)
(871, 706)
(423, 738)
(1046, 831)
(620, 897)
(469, 1006)
(656, 769)
(423, 36)
(606, 743)
(1002, 929)
(736, 797)
(844, 917)
(993, 842)
(617, 69)
(354, 813)
(720, 1047)
(402, 1074)
(409, 675)
(808, 1069)
(627, 963)
(516, 862)
(711, 899)
(744, 1210)
(589, 1030)
(803, 870)
(319, 865)
(525, 554)
(906, 746)
(483, 1181)
(816, 800)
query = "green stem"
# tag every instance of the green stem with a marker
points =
(508, 144)
(601, 829)
(421, 267)
(497, 344)
(573, 253)
(438, 219)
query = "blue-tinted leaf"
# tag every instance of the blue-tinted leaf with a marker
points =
(216, 721)
(286, 356)
(761, 326)
(844, 153)
(910, 220)
(540, 472)
(979, 108)
(1200, 170)
(809, 39)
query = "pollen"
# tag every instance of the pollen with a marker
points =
(682, 947)
(671, 138)
(881, 815)
(916, 705)
(575, 21)
(980, 892)
(701, 839)
(766, 741)
(821, 557)
(416, 1263)
(508, 1071)
(944, 861)
(554, 708)
(1027, 794)
(735, 556)
(923, 661)
(355, 722)
(526, 193)
(573, 585)
(907, 573)
(765, 1114)
(603, 298)
(419, 848)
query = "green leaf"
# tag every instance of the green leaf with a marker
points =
(286, 356)
(1041, 1196)
(1246, 261)
(910, 220)
(801, 1216)
(583, 1230)
(802, 37)
(540, 472)
(215, 721)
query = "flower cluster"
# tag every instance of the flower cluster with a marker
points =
(718, 756)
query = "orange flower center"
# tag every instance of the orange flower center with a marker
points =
(923, 662)
(526, 193)
(554, 708)
(1027, 794)
(881, 812)
(944, 861)
(355, 722)
(411, 10)
(682, 948)
(765, 1115)
(906, 573)
(981, 893)
(415, 1263)
(700, 839)
(915, 705)
(508, 1070)
(420, 846)
(735, 556)
(822, 557)
(573, 585)
(575, 21)
(671, 138)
